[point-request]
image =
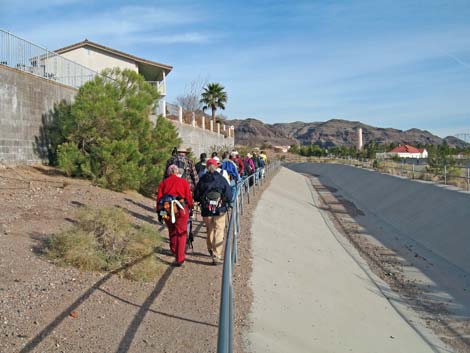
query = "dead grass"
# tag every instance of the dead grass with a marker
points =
(105, 240)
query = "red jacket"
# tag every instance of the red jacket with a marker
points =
(175, 186)
(240, 165)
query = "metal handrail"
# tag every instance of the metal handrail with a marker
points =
(225, 336)
(21, 54)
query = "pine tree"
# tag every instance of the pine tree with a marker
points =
(107, 135)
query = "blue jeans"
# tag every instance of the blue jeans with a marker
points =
(233, 186)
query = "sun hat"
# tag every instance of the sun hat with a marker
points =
(183, 149)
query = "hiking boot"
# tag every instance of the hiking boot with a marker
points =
(216, 260)
(211, 253)
(177, 264)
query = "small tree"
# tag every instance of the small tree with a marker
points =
(108, 136)
(190, 100)
(214, 97)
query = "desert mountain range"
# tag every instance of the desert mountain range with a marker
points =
(334, 132)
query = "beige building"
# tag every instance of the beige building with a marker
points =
(92, 58)
(98, 57)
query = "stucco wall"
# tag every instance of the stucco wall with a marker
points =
(202, 140)
(97, 60)
(25, 100)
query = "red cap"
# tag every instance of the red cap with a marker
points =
(211, 161)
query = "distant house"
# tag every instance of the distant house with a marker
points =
(404, 151)
(98, 57)
(283, 149)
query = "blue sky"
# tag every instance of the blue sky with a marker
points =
(399, 64)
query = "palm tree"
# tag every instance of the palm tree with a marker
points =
(214, 97)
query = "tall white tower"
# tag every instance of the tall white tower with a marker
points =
(359, 139)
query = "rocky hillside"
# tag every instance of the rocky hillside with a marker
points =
(335, 132)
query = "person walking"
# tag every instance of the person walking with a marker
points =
(174, 202)
(182, 161)
(201, 165)
(231, 167)
(222, 171)
(263, 162)
(248, 164)
(235, 157)
(214, 194)
(264, 157)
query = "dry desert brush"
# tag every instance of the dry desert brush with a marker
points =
(107, 240)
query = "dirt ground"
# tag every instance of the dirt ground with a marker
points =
(45, 308)
(397, 271)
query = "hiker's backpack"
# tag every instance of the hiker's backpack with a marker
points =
(168, 207)
(180, 162)
(212, 201)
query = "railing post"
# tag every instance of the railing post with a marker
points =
(180, 114)
(164, 108)
(468, 178)
(193, 119)
(235, 234)
(445, 174)
(248, 189)
(242, 199)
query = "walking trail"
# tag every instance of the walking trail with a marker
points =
(310, 293)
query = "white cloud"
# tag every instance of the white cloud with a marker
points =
(28, 6)
(136, 23)
(177, 38)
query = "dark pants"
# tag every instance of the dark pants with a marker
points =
(178, 233)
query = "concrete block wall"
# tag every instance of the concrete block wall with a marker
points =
(25, 100)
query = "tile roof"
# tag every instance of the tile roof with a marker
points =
(407, 149)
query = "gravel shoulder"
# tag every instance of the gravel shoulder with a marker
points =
(45, 308)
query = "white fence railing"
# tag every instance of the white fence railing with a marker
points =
(20, 54)
(160, 86)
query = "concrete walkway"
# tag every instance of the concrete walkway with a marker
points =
(309, 293)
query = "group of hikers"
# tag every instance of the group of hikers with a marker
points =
(212, 184)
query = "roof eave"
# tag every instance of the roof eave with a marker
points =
(71, 47)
